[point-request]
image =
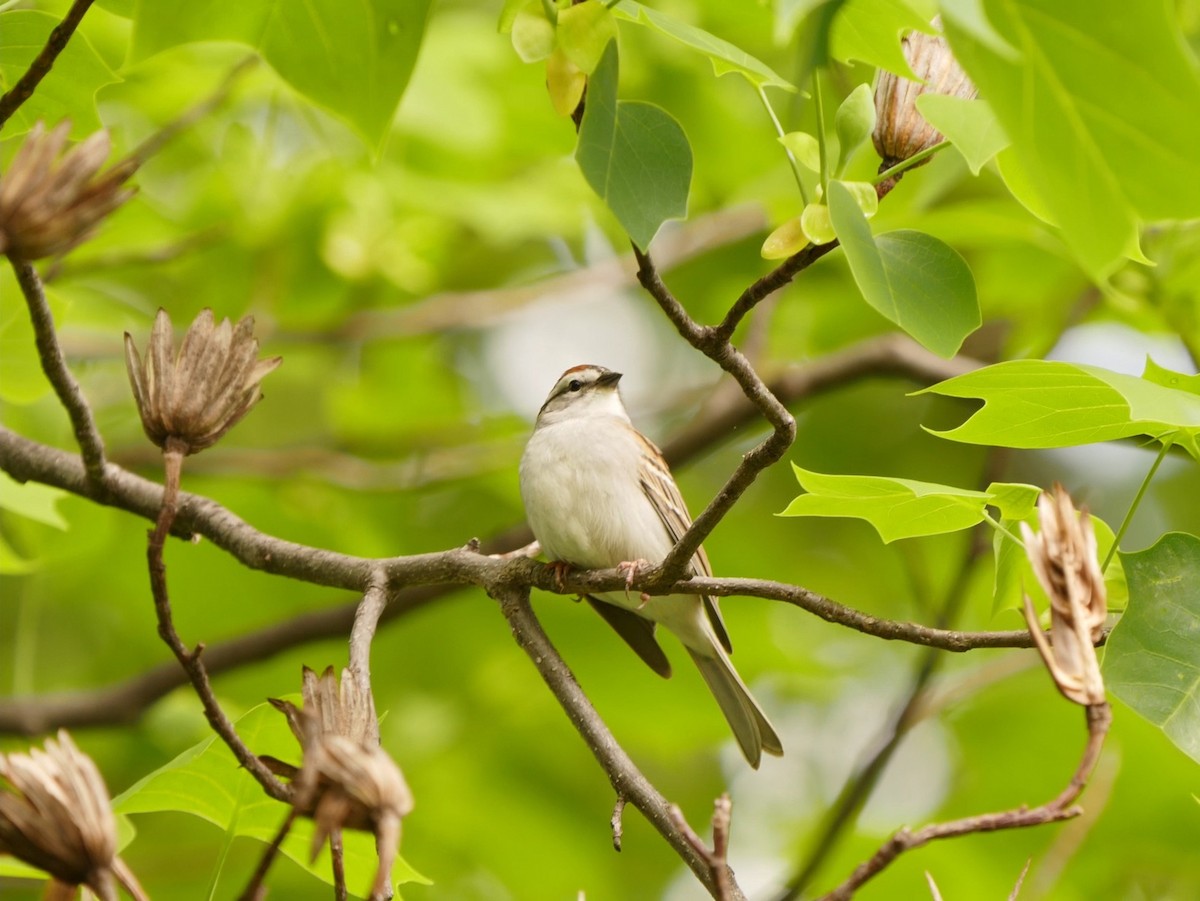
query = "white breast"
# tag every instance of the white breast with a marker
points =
(583, 498)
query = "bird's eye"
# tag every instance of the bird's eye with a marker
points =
(575, 385)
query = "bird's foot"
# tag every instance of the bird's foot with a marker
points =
(560, 568)
(630, 569)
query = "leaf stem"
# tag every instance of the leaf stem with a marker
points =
(1133, 507)
(913, 160)
(792, 161)
(1006, 532)
(821, 148)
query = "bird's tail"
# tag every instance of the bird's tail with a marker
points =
(750, 725)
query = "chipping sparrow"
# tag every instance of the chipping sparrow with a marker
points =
(598, 494)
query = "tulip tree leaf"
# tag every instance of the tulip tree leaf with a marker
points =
(1098, 175)
(1152, 658)
(584, 30)
(869, 30)
(1046, 403)
(896, 508)
(633, 154)
(68, 91)
(206, 781)
(353, 59)
(969, 125)
(724, 56)
(854, 122)
(915, 280)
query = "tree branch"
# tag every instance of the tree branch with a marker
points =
(189, 659)
(1099, 718)
(26, 460)
(54, 364)
(627, 780)
(43, 62)
(732, 361)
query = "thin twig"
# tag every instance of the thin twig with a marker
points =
(43, 62)
(626, 779)
(717, 856)
(366, 622)
(733, 362)
(1099, 718)
(615, 821)
(768, 285)
(254, 890)
(194, 114)
(337, 860)
(54, 364)
(858, 787)
(189, 659)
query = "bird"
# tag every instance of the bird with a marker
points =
(598, 494)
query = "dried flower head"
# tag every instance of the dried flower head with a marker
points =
(192, 398)
(56, 816)
(900, 130)
(346, 780)
(1063, 554)
(51, 201)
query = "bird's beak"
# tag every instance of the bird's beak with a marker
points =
(609, 378)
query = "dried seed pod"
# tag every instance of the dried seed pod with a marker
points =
(1064, 557)
(51, 201)
(901, 131)
(193, 397)
(55, 815)
(346, 779)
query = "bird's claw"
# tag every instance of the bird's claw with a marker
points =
(630, 569)
(560, 568)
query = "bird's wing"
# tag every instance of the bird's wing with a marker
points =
(637, 631)
(668, 503)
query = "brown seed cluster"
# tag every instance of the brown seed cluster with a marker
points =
(192, 398)
(51, 201)
(346, 779)
(901, 131)
(1064, 557)
(55, 815)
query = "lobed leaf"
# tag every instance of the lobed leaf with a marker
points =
(206, 781)
(353, 59)
(1045, 403)
(1152, 658)
(68, 91)
(724, 56)
(1100, 106)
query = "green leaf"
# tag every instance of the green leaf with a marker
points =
(1014, 575)
(1097, 173)
(725, 57)
(786, 240)
(32, 500)
(354, 59)
(584, 30)
(970, 125)
(532, 33)
(969, 16)
(207, 782)
(1014, 500)
(68, 91)
(804, 148)
(896, 508)
(1045, 403)
(870, 31)
(854, 121)
(915, 280)
(1152, 658)
(634, 155)
(816, 225)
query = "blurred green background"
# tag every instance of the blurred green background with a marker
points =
(424, 295)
